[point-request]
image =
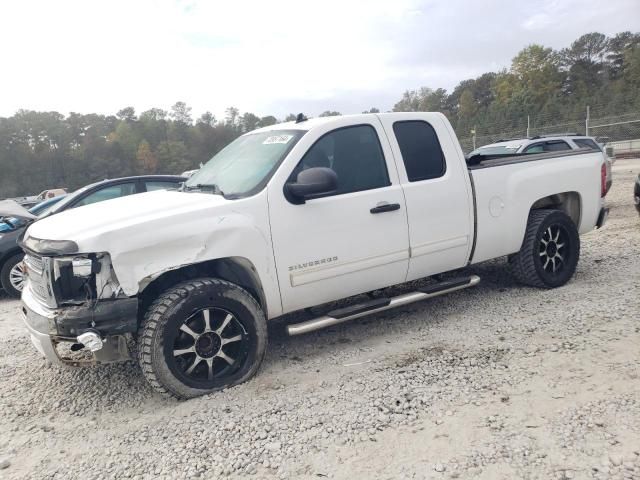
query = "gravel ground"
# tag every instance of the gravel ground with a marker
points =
(495, 382)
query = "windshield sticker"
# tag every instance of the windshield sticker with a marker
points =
(277, 139)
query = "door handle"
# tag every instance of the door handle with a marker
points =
(387, 207)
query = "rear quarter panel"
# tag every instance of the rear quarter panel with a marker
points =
(506, 193)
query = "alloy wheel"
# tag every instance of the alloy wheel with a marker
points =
(17, 276)
(554, 249)
(210, 345)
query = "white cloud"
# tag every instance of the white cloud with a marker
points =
(267, 57)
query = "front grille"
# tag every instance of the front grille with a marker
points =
(39, 275)
(34, 264)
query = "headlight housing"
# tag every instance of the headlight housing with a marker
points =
(84, 277)
(50, 247)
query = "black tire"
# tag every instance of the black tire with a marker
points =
(542, 261)
(199, 305)
(5, 275)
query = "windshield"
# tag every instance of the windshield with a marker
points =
(247, 163)
(495, 150)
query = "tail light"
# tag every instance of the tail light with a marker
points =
(603, 180)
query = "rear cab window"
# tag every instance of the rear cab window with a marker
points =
(420, 148)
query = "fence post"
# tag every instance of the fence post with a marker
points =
(586, 123)
(473, 136)
(528, 124)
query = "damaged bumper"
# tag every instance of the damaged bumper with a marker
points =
(49, 328)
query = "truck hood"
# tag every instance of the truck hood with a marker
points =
(118, 215)
(150, 233)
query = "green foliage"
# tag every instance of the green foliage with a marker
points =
(40, 150)
(329, 113)
(541, 82)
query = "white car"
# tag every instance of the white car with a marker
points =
(545, 143)
(294, 216)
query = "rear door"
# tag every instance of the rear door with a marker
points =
(437, 190)
(348, 242)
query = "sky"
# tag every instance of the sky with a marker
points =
(270, 57)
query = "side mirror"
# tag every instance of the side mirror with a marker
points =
(311, 183)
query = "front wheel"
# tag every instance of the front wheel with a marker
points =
(201, 336)
(550, 250)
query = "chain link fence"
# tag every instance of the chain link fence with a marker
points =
(621, 132)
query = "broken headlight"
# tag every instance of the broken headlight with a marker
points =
(84, 277)
(83, 267)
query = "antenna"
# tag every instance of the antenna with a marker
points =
(301, 118)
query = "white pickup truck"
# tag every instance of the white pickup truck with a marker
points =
(288, 217)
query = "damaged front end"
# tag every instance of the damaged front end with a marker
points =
(73, 306)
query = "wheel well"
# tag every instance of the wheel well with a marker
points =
(568, 202)
(236, 270)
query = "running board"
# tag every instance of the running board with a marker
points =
(381, 304)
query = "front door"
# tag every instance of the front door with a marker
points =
(341, 244)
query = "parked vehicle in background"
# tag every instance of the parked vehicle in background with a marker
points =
(189, 173)
(11, 268)
(26, 202)
(290, 217)
(115, 188)
(545, 143)
(54, 192)
(636, 193)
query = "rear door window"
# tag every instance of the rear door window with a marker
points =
(556, 146)
(421, 152)
(108, 193)
(548, 146)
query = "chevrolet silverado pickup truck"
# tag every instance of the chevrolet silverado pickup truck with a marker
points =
(307, 216)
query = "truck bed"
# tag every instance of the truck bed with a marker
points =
(488, 161)
(504, 196)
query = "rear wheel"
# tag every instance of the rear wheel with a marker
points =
(550, 250)
(201, 336)
(12, 275)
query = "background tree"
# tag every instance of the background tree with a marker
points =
(146, 160)
(40, 150)
(329, 113)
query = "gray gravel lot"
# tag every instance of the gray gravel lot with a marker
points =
(495, 382)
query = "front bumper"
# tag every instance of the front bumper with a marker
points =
(602, 217)
(48, 328)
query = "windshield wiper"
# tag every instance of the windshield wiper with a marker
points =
(205, 186)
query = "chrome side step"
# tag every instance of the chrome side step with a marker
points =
(367, 308)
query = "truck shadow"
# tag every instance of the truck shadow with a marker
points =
(79, 392)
